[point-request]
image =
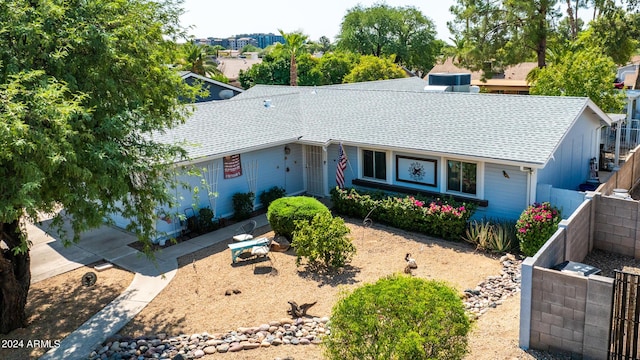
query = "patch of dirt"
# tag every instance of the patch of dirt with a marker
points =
(195, 301)
(57, 306)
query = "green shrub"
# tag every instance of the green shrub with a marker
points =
(399, 317)
(205, 220)
(268, 196)
(535, 226)
(283, 213)
(446, 219)
(202, 222)
(323, 241)
(243, 205)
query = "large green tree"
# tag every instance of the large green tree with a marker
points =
(83, 84)
(587, 72)
(383, 31)
(335, 66)
(615, 33)
(503, 32)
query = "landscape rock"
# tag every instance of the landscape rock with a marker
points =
(488, 294)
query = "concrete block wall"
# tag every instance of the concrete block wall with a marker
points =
(616, 226)
(552, 252)
(625, 177)
(597, 317)
(577, 228)
(558, 308)
(635, 160)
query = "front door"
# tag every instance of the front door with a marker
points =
(313, 165)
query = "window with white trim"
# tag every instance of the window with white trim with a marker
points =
(462, 177)
(374, 164)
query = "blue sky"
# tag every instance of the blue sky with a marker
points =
(313, 18)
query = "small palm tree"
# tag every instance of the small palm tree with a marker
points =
(198, 59)
(294, 45)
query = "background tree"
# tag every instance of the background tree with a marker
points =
(273, 70)
(335, 66)
(294, 46)
(250, 48)
(372, 68)
(503, 32)
(587, 72)
(79, 97)
(615, 33)
(325, 44)
(198, 59)
(383, 31)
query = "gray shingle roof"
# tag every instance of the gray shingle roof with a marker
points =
(517, 128)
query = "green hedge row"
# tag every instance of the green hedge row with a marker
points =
(445, 219)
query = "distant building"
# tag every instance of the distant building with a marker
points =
(244, 41)
(237, 42)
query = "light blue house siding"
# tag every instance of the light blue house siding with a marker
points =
(569, 166)
(507, 196)
(261, 170)
(332, 160)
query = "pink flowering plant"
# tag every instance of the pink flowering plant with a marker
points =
(446, 219)
(535, 226)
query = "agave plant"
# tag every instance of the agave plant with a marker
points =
(479, 233)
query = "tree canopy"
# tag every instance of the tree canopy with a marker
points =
(370, 68)
(491, 35)
(586, 72)
(83, 85)
(383, 31)
(198, 59)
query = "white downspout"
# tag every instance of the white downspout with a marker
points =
(530, 187)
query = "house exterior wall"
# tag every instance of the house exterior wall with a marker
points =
(569, 166)
(350, 173)
(270, 167)
(507, 196)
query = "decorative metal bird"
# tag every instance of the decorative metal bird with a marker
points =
(411, 262)
(299, 311)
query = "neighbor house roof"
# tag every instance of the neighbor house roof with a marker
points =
(513, 77)
(385, 114)
(230, 67)
(217, 90)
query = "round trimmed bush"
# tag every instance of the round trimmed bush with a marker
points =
(283, 213)
(399, 317)
(535, 226)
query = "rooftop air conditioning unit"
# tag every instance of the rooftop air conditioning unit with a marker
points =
(459, 82)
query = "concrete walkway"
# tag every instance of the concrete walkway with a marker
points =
(50, 258)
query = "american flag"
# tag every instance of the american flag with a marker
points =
(342, 165)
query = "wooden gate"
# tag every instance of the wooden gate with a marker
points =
(625, 317)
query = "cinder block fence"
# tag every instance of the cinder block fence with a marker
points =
(567, 312)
